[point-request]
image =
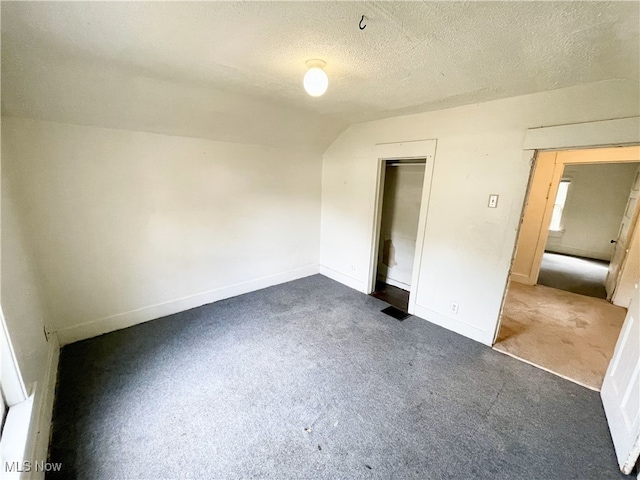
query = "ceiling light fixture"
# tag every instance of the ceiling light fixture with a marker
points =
(315, 81)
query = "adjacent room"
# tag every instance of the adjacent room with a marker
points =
(592, 213)
(287, 239)
(578, 242)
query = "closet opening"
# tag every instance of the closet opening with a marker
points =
(403, 181)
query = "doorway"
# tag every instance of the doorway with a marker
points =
(580, 205)
(592, 214)
(398, 230)
(420, 153)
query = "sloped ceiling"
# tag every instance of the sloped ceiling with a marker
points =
(233, 71)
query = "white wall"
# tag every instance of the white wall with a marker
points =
(593, 211)
(129, 226)
(22, 300)
(467, 247)
(399, 226)
(25, 314)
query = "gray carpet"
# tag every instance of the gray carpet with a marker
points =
(309, 380)
(584, 276)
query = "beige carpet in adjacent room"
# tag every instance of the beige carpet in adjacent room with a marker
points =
(568, 334)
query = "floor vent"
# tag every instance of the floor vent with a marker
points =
(395, 313)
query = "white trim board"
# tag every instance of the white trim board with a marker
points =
(418, 149)
(621, 131)
(26, 434)
(453, 324)
(13, 386)
(39, 442)
(119, 321)
(393, 283)
(15, 438)
(342, 278)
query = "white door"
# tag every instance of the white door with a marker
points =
(622, 242)
(621, 389)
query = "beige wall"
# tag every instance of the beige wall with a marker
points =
(525, 263)
(130, 226)
(468, 247)
(591, 219)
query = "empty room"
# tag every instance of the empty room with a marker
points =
(286, 239)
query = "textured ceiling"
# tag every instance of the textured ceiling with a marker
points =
(212, 69)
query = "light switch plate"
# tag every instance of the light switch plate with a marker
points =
(493, 201)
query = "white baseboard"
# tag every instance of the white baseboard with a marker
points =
(343, 279)
(39, 442)
(579, 252)
(127, 319)
(394, 283)
(453, 324)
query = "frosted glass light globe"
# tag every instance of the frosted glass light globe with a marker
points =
(315, 81)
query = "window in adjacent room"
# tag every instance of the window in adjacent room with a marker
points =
(558, 206)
